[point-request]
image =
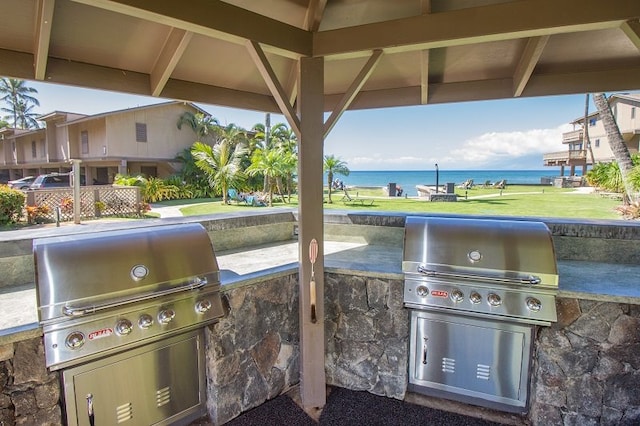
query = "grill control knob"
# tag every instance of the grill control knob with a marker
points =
(203, 306)
(457, 296)
(145, 321)
(74, 340)
(475, 297)
(533, 304)
(166, 316)
(124, 327)
(422, 291)
(494, 299)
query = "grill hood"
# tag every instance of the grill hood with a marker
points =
(110, 267)
(513, 251)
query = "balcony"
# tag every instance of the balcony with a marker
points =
(569, 157)
(574, 136)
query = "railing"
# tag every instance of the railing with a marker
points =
(95, 201)
(572, 137)
(565, 156)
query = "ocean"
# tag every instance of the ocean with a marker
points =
(408, 179)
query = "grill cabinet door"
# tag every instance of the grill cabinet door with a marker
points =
(155, 384)
(469, 359)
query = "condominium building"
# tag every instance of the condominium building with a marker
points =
(582, 151)
(143, 140)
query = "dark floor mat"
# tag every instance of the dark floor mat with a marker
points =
(345, 407)
(278, 411)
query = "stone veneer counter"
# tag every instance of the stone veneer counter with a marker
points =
(578, 279)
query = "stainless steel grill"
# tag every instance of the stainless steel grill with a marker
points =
(476, 289)
(130, 303)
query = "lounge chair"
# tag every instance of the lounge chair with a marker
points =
(346, 199)
(502, 184)
(467, 184)
(487, 184)
(233, 195)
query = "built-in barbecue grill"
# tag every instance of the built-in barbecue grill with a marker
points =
(123, 314)
(477, 288)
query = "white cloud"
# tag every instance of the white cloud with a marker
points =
(496, 146)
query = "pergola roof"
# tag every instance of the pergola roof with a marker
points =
(377, 53)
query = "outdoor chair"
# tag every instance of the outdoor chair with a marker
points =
(347, 199)
(467, 184)
(487, 184)
(233, 195)
(500, 184)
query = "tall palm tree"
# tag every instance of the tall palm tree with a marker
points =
(618, 147)
(206, 127)
(26, 116)
(332, 166)
(221, 164)
(285, 140)
(19, 97)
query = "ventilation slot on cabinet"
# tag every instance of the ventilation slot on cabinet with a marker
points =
(124, 412)
(163, 396)
(448, 365)
(483, 371)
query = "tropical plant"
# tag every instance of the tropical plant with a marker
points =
(221, 164)
(607, 176)
(20, 102)
(206, 127)
(268, 163)
(332, 166)
(286, 141)
(618, 147)
(155, 189)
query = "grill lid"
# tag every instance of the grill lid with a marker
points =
(508, 251)
(79, 274)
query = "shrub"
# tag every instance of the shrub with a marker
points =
(37, 214)
(11, 205)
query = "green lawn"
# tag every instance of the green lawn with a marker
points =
(534, 201)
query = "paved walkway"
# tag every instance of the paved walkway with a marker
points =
(167, 211)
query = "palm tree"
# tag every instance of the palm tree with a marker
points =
(334, 165)
(204, 126)
(618, 147)
(18, 96)
(221, 164)
(285, 140)
(271, 164)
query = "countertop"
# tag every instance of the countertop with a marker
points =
(578, 279)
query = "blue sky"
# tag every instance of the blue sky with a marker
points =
(502, 134)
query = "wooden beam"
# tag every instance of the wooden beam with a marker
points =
(527, 63)
(353, 90)
(315, 11)
(424, 77)
(632, 30)
(502, 21)
(311, 226)
(276, 89)
(217, 19)
(166, 62)
(43, 24)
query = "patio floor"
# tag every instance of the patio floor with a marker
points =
(355, 408)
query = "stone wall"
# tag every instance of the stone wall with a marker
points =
(366, 332)
(588, 366)
(253, 353)
(29, 394)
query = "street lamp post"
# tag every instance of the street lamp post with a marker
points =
(437, 178)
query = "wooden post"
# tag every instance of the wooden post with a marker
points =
(310, 213)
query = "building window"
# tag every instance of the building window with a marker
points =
(597, 143)
(141, 132)
(43, 148)
(34, 151)
(84, 141)
(633, 112)
(592, 122)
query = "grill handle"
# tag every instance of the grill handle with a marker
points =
(79, 311)
(530, 280)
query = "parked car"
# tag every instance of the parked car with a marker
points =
(54, 180)
(22, 183)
